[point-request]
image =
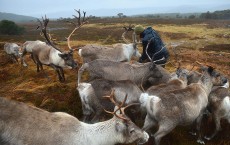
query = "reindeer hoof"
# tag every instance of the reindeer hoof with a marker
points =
(207, 138)
(200, 141)
(192, 133)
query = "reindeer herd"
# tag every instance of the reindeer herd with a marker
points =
(115, 86)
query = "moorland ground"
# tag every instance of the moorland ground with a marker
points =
(206, 41)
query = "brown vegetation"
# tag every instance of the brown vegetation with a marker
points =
(198, 40)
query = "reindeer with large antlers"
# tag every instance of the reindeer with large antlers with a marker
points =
(49, 54)
(116, 52)
(21, 124)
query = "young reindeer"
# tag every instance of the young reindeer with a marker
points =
(21, 124)
(91, 96)
(12, 49)
(219, 106)
(180, 107)
(49, 54)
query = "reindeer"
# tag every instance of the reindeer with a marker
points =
(12, 49)
(116, 52)
(180, 107)
(28, 47)
(49, 54)
(91, 96)
(111, 70)
(21, 124)
(178, 82)
(219, 106)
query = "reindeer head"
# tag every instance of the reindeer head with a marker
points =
(124, 126)
(66, 56)
(217, 79)
(134, 44)
(68, 59)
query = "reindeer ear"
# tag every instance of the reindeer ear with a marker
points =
(63, 56)
(210, 69)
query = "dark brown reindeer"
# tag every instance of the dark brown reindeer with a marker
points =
(180, 107)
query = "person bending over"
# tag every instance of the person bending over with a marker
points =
(156, 49)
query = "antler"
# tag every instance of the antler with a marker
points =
(127, 29)
(77, 25)
(175, 51)
(119, 106)
(43, 27)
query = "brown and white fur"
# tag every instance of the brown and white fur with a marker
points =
(180, 107)
(91, 93)
(45, 54)
(116, 52)
(111, 70)
(219, 106)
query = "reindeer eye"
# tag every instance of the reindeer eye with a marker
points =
(132, 131)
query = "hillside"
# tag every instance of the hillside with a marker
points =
(15, 17)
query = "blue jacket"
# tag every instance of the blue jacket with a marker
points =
(155, 45)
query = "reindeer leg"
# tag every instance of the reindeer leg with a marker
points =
(15, 58)
(149, 122)
(80, 71)
(198, 125)
(12, 58)
(86, 113)
(32, 57)
(218, 127)
(62, 73)
(57, 70)
(96, 116)
(164, 128)
(192, 130)
(22, 58)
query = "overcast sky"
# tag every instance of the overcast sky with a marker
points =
(59, 8)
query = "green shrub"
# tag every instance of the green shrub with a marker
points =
(10, 28)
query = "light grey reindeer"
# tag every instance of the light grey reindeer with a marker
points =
(116, 52)
(21, 124)
(180, 107)
(49, 54)
(12, 49)
(111, 70)
(219, 106)
(93, 103)
(28, 47)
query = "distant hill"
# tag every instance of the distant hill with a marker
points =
(16, 18)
